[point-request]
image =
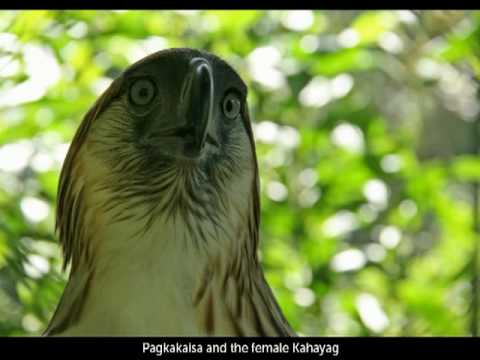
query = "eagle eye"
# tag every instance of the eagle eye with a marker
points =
(142, 92)
(231, 105)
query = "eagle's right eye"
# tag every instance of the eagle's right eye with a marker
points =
(142, 92)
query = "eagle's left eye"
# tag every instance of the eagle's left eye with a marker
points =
(142, 92)
(231, 105)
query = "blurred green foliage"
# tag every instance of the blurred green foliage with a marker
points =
(364, 123)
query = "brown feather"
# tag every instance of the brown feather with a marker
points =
(69, 211)
(69, 221)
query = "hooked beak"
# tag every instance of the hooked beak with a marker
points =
(197, 105)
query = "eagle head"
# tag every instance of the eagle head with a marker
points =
(169, 144)
(158, 207)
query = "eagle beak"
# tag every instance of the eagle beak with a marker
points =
(197, 96)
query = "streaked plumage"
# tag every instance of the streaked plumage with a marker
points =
(158, 208)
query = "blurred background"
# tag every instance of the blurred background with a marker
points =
(366, 130)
